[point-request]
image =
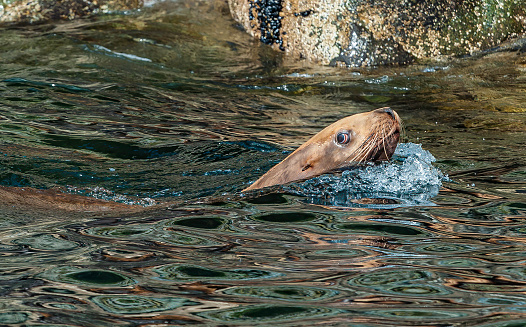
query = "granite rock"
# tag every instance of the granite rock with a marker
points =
(378, 32)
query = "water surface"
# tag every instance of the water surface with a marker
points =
(173, 105)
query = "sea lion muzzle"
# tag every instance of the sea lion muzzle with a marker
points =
(364, 137)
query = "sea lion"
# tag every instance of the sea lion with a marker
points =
(368, 136)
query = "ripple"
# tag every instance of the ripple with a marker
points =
(518, 273)
(47, 242)
(119, 231)
(181, 238)
(16, 81)
(339, 253)
(380, 229)
(87, 276)
(273, 198)
(13, 317)
(502, 301)
(389, 277)
(132, 304)
(438, 247)
(150, 232)
(65, 306)
(459, 263)
(110, 148)
(175, 272)
(417, 290)
(287, 217)
(57, 290)
(512, 323)
(204, 223)
(287, 293)
(272, 313)
(417, 314)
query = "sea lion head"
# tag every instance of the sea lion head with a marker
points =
(364, 137)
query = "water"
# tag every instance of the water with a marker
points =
(175, 110)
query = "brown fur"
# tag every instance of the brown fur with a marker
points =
(56, 200)
(374, 136)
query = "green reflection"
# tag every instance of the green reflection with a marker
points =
(205, 223)
(119, 231)
(459, 262)
(66, 306)
(200, 272)
(418, 290)
(287, 217)
(47, 242)
(96, 277)
(268, 313)
(13, 317)
(418, 314)
(196, 272)
(131, 304)
(380, 229)
(152, 232)
(514, 323)
(389, 277)
(439, 247)
(57, 290)
(288, 293)
(337, 253)
(87, 276)
(272, 198)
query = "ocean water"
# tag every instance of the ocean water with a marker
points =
(172, 110)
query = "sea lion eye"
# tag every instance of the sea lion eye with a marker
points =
(343, 137)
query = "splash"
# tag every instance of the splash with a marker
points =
(107, 195)
(409, 179)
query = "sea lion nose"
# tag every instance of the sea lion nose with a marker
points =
(388, 111)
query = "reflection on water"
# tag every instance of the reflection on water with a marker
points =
(176, 110)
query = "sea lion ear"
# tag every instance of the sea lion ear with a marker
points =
(342, 138)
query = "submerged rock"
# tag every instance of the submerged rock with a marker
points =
(36, 11)
(376, 32)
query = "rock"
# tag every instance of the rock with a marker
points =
(37, 11)
(377, 32)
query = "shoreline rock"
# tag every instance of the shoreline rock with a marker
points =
(359, 33)
(40, 11)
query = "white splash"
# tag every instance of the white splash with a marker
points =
(409, 179)
(101, 49)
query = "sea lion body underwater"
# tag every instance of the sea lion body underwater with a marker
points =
(365, 137)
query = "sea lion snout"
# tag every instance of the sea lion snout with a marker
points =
(389, 111)
(369, 136)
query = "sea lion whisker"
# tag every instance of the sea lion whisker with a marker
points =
(359, 155)
(356, 155)
(384, 145)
